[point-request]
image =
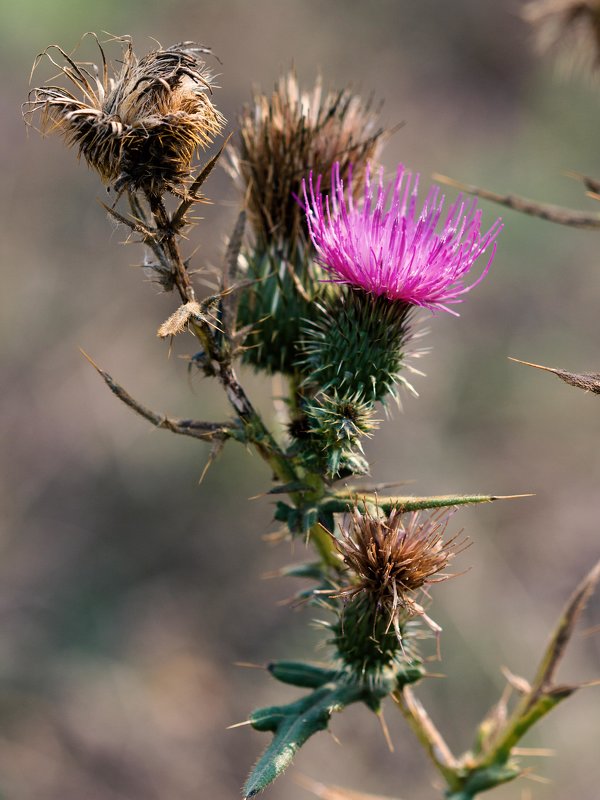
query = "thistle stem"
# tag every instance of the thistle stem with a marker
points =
(170, 247)
(255, 430)
(324, 546)
(428, 735)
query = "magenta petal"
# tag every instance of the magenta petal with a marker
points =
(385, 246)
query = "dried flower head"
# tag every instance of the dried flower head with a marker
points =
(395, 251)
(394, 557)
(571, 28)
(284, 136)
(140, 127)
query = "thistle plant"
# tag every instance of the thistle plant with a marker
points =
(322, 289)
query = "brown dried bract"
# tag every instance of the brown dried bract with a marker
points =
(571, 28)
(285, 136)
(139, 128)
(395, 556)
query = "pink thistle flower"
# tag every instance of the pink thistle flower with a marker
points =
(391, 249)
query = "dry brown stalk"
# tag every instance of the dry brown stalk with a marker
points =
(588, 381)
(547, 211)
(207, 431)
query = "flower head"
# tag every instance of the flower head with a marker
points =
(391, 248)
(392, 558)
(286, 134)
(571, 28)
(140, 127)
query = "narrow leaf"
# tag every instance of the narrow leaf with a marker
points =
(292, 725)
(340, 503)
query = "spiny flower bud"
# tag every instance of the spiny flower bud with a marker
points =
(140, 128)
(571, 28)
(285, 136)
(328, 433)
(281, 294)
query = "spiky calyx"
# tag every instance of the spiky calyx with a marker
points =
(286, 135)
(280, 296)
(140, 128)
(366, 643)
(356, 347)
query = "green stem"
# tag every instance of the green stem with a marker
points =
(324, 546)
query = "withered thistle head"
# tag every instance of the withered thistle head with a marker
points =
(140, 127)
(285, 136)
(571, 28)
(391, 558)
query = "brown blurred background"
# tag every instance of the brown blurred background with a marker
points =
(127, 592)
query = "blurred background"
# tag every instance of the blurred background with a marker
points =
(128, 591)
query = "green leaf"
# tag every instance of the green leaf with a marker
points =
(292, 726)
(299, 673)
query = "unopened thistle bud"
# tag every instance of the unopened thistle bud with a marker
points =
(391, 561)
(139, 128)
(569, 28)
(328, 431)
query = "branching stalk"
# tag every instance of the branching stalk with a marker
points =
(428, 735)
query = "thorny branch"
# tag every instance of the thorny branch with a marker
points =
(207, 431)
(217, 348)
(547, 211)
(167, 239)
(490, 763)
(544, 694)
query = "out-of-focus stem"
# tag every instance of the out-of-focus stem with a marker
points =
(544, 694)
(552, 213)
(432, 740)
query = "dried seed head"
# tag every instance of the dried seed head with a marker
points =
(140, 127)
(285, 136)
(394, 557)
(571, 28)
